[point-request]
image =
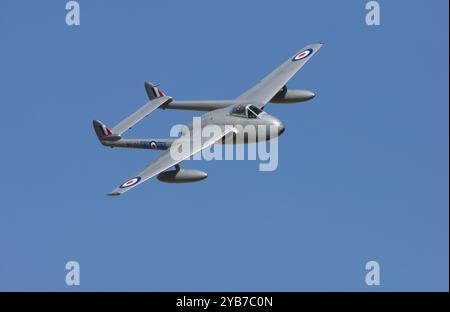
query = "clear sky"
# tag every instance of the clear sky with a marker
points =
(363, 168)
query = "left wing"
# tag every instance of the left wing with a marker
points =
(165, 160)
(266, 89)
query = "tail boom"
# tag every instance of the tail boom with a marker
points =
(152, 144)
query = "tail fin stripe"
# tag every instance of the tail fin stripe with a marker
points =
(157, 92)
(106, 130)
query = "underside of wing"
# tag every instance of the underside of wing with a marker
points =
(267, 88)
(180, 150)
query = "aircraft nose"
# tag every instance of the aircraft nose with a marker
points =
(279, 125)
(281, 128)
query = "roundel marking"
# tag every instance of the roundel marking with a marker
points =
(130, 182)
(302, 55)
(153, 145)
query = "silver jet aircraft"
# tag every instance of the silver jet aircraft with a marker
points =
(227, 115)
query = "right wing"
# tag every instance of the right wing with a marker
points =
(165, 160)
(266, 89)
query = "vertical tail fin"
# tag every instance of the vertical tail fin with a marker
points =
(103, 132)
(153, 91)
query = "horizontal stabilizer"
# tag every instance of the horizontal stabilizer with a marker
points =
(138, 115)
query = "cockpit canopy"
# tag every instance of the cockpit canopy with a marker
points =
(249, 111)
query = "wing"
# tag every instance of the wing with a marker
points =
(166, 160)
(138, 115)
(266, 89)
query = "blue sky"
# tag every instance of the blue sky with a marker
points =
(363, 168)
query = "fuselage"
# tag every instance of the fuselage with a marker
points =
(251, 124)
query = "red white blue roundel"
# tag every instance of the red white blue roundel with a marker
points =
(131, 182)
(153, 145)
(302, 55)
